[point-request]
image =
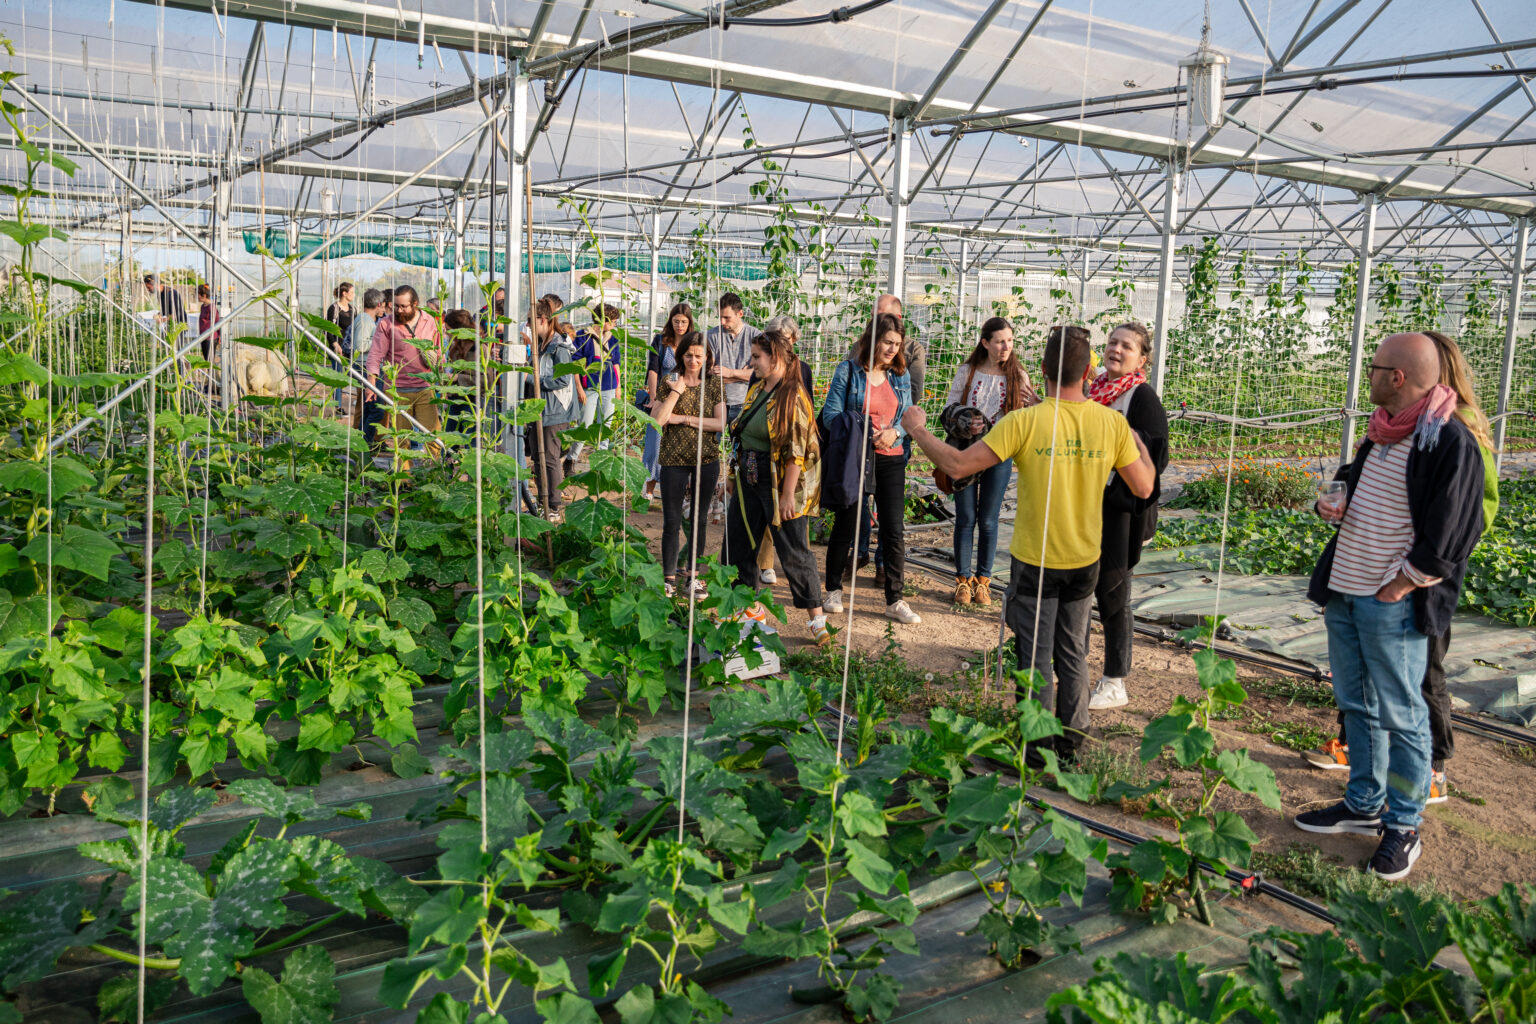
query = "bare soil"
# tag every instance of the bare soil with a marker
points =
(1483, 837)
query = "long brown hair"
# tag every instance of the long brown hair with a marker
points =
(669, 337)
(883, 324)
(463, 346)
(556, 303)
(1456, 375)
(1018, 385)
(786, 397)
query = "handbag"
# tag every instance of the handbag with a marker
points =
(941, 479)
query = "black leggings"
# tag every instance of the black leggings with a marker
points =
(747, 520)
(677, 487)
(890, 476)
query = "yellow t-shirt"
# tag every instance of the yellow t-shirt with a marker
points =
(1091, 441)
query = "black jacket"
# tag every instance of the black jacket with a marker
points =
(1445, 502)
(1130, 521)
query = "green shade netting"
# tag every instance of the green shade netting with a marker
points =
(477, 259)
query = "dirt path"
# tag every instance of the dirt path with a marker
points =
(1480, 839)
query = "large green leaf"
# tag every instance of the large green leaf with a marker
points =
(873, 871)
(305, 995)
(1246, 775)
(117, 1001)
(37, 927)
(26, 617)
(1226, 840)
(209, 933)
(859, 816)
(311, 497)
(291, 806)
(65, 473)
(85, 550)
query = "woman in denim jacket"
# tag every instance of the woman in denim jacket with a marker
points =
(874, 384)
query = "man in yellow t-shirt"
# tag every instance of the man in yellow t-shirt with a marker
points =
(1064, 449)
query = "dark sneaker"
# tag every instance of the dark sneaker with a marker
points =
(1394, 858)
(1339, 818)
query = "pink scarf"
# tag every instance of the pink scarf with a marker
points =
(1422, 420)
(1106, 391)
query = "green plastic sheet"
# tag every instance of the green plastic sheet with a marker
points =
(478, 259)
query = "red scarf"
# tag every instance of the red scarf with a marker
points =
(1422, 420)
(1107, 392)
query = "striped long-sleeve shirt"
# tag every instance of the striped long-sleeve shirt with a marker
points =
(1377, 531)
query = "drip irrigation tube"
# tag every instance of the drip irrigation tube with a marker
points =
(1505, 733)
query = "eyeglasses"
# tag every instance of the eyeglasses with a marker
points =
(1374, 367)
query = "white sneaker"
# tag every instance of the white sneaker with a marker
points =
(832, 602)
(901, 613)
(768, 576)
(1108, 693)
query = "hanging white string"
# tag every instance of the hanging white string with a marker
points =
(716, 40)
(144, 696)
(1061, 354)
(874, 321)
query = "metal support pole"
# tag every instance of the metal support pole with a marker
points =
(900, 179)
(965, 259)
(218, 285)
(512, 280)
(1507, 368)
(655, 268)
(570, 284)
(1357, 332)
(1158, 368)
(458, 252)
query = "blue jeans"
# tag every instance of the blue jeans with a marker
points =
(976, 510)
(1378, 660)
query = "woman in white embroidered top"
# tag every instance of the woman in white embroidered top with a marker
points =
(991, 382)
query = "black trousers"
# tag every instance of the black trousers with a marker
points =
(890, 479)
(1113, 595)
(1059, 647)
(748, 519)
(550, 475)
(676, 488)
(1442, 738)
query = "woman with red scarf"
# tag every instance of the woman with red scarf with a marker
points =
(1129, 521)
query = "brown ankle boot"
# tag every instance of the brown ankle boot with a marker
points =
(962, 590)
(981, 590)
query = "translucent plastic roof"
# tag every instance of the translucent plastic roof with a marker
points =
(1089, 87)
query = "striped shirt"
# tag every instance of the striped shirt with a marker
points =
(1377, 530)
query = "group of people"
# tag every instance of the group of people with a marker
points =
(1088, 449)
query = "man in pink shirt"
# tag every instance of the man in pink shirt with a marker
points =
(410, 342)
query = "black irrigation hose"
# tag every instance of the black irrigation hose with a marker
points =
(1505, 733)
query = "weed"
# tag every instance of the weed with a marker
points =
(1311, 693)
(1108, 766)
(1298, 736)
(1307, 871)
(1461, 794)
(1519, 753)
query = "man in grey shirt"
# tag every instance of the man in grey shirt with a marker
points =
(731, 346)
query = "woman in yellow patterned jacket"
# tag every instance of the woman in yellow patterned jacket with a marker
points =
(776, 472)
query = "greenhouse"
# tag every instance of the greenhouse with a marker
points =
(655, 511)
